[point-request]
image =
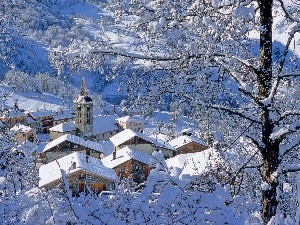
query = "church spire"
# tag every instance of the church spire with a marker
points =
(83, 91)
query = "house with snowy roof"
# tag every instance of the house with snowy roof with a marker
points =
(68, 144)
(23, 133)
(12, 117)
(188, 144)
(62, 129)
(129, 163)
(82, 172)
(135, 123)
(141, 142)
(44, 120)
(104, 127)
(62, 116)
(29, 121)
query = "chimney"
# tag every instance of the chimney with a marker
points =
(74, 165)
(114, 154)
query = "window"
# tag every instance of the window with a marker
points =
(121, 169)
(88, 108)
(71, 184)
(75, 146)
(81, 176)
(110, 186)
(78, 108)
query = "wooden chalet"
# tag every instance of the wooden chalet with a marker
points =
(23, 133)
(129, 163)
(44, 120)
(135, 123)
(62, 129)
(83, 173)
(104, 127)
(188, 144)
(62, 117)
(68, 144)
(12, 117)
(141, 142)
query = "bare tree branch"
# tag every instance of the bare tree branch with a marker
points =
(235, 112)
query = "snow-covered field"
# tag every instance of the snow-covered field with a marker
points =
(32, 101)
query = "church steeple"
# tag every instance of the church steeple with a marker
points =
(83, 91)
(83, 107)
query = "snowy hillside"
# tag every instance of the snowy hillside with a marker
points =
(42, 26)
(32, 101)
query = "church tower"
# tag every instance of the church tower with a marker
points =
(83, 107)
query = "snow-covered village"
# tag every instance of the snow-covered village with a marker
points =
(161, 112)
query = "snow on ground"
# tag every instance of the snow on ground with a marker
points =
(178, 162)
(32, 101)
(186, 166)
(125, 154)
(82, 10)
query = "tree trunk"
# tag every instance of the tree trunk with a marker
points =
(270, 150)
(270, 182)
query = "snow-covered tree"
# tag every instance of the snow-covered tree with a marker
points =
(215, 55)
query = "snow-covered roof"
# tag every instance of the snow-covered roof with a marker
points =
(76, 140)
(64, 127)
(29, 120)
(102, 124)
(107, 146)
(28, 148)
(41, 113)
(63, 115)
(152, 131)
(21, 128)
(125, 154)
(128, 119)
(183, 140)
(196, 163)
(14, 113)
(127, 134)
(191, 164)
(83, 99)
(52, 171)
(179, 161)
(41, 146)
